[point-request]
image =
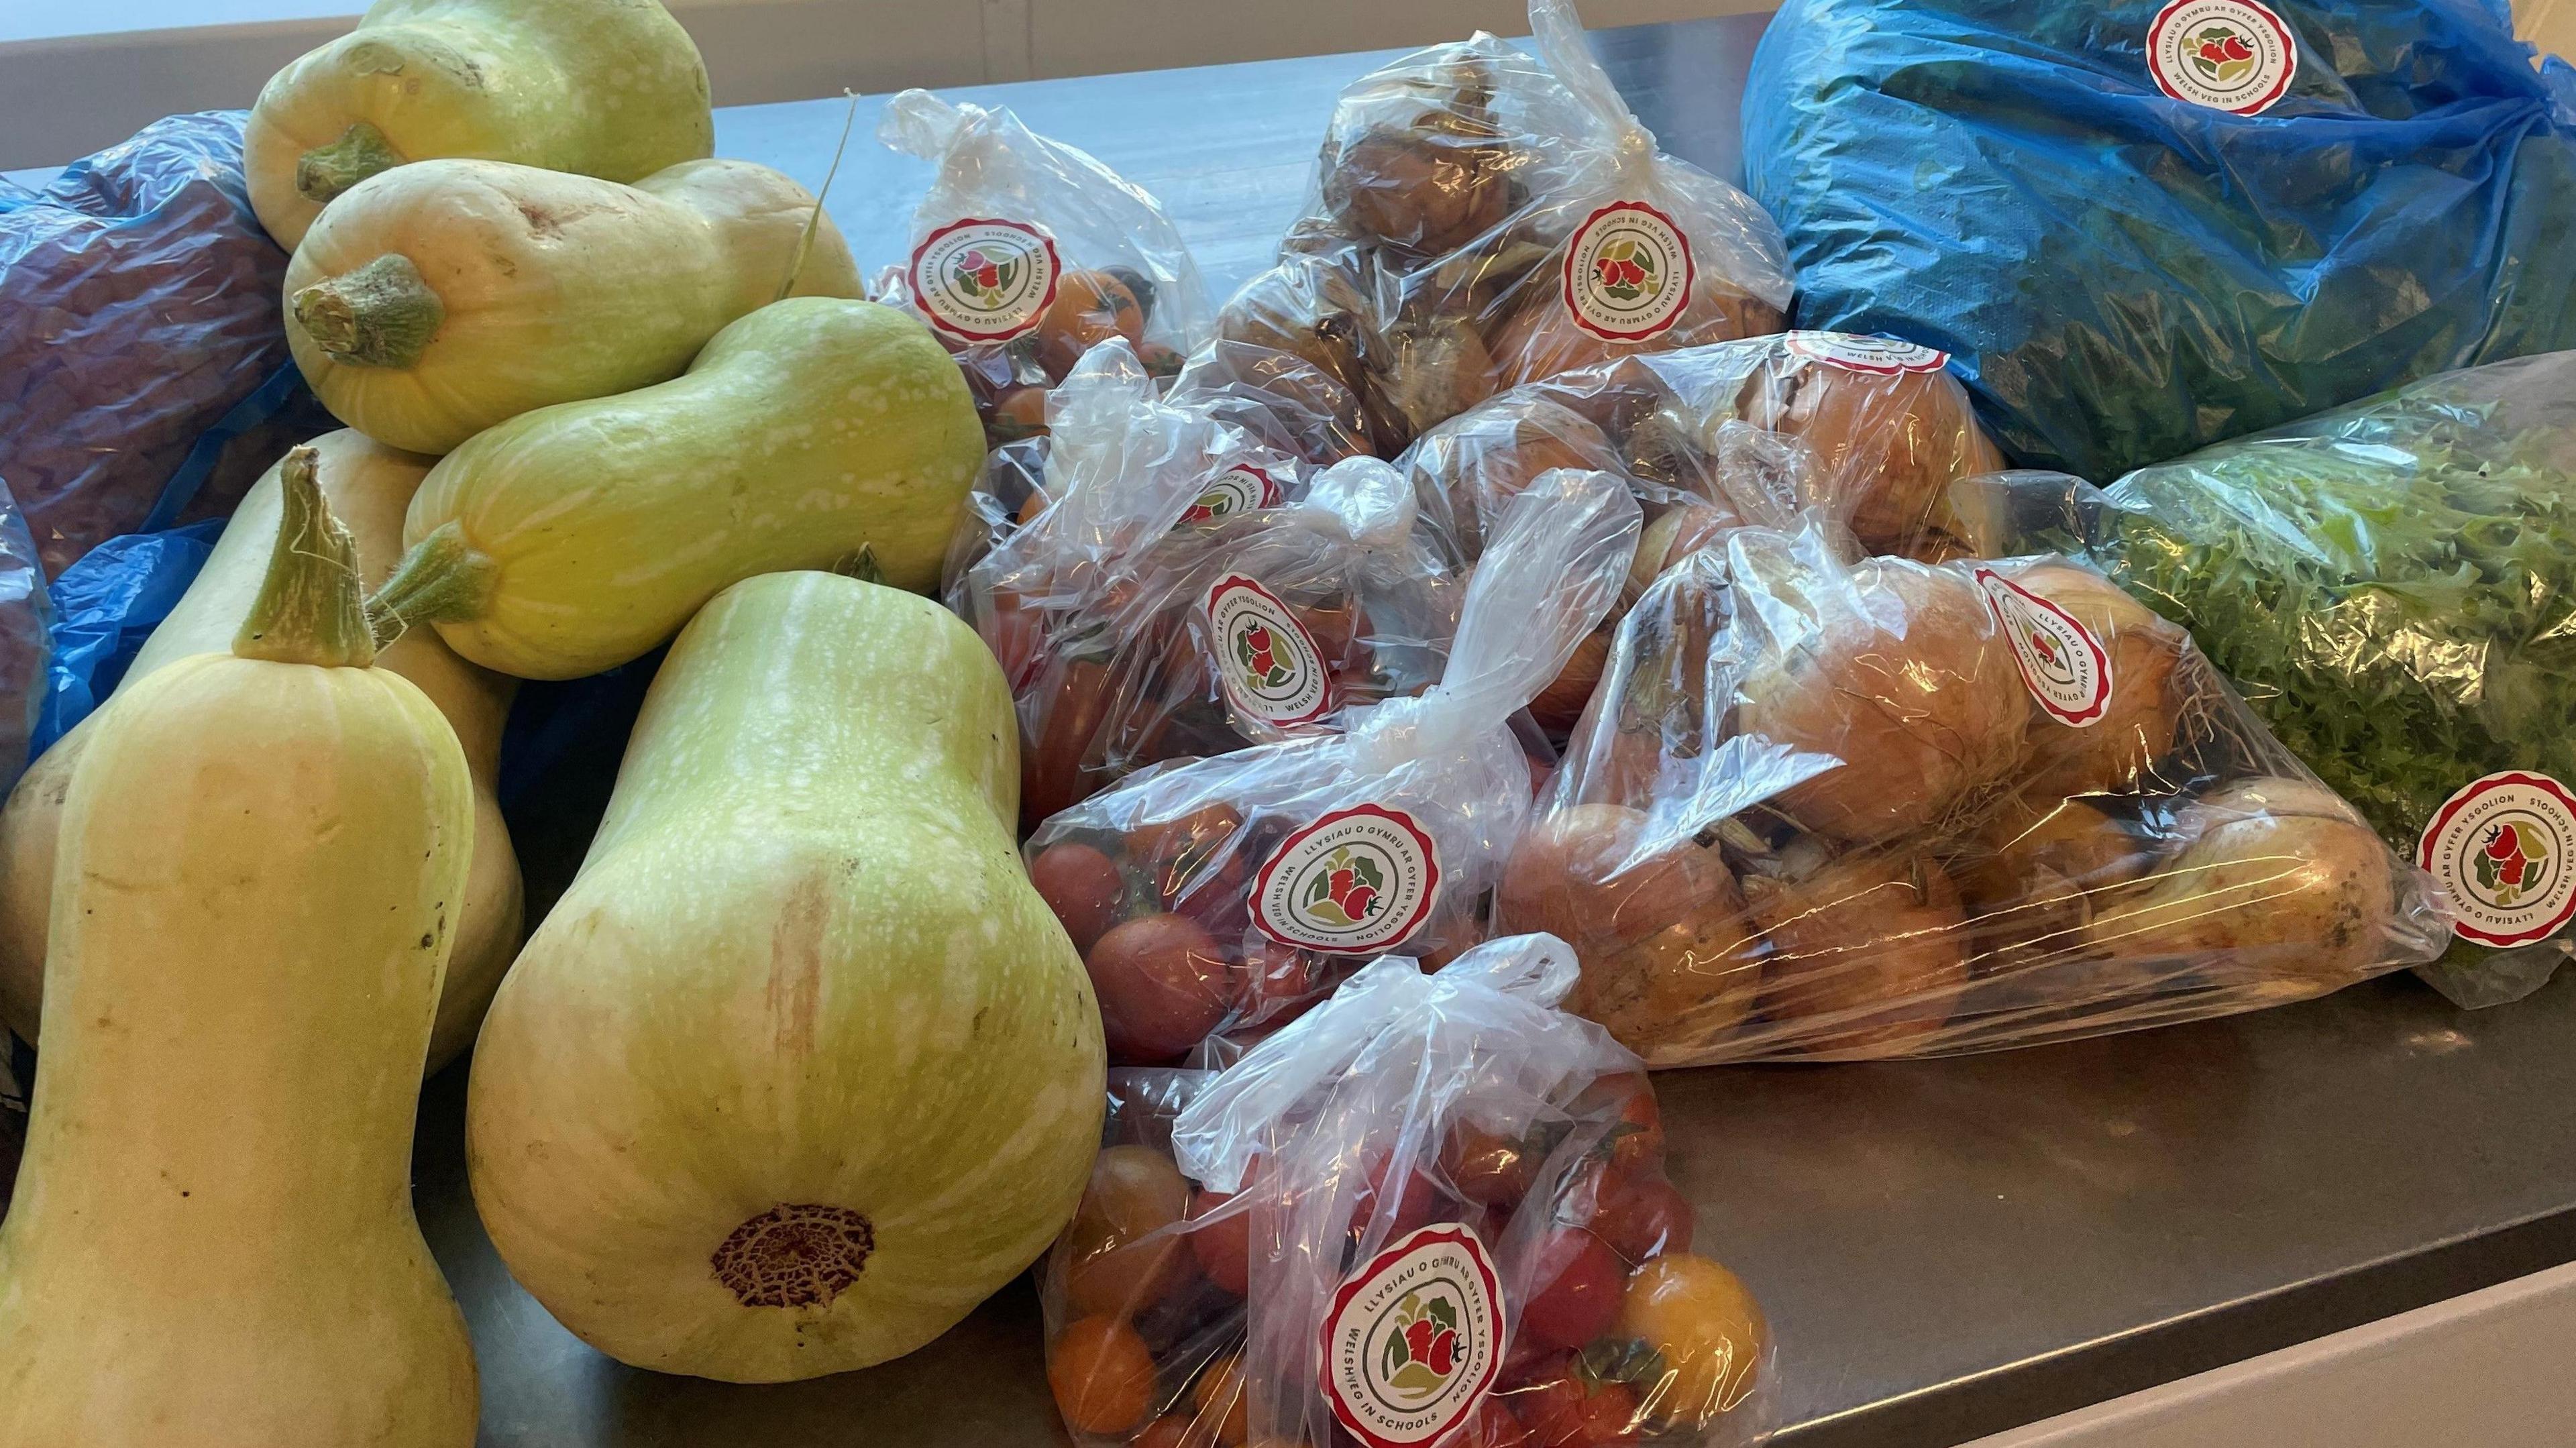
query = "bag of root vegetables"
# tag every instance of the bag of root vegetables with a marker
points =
(1213, 900)
(1482, 218)
(1432, 1212)
(1170, 600)
(1836, 807)
(1026, 252)
(1870, 431)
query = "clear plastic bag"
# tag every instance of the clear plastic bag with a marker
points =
(1836, 807)
(1026, 253)
(1481, 218)
(2393, 585)
(1241, 1272)
(1869, 431)
(139, 333)
(1166, 523)
(26, 644)
(1220, 897)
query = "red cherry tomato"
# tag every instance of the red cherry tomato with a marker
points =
(1643, 1217)
(1575, 1285)
(1224, 1246)
(1163, 986)
(1492, 1426)
(1487, 1167)
(1569, 1411)
(1419, 1206)
(1279, 984)
(1082, 886)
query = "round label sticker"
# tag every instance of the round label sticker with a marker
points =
(1239, 489)
(2504, 847)
(984, 280)
(1265, 660)
(1884, 356)
(1355, 881)
(1412, 1341)
(2228, 55)
(2063, 663)
(1628, 272)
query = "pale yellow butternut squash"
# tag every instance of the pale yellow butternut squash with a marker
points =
(211, 1243)
(801, 1068)
(368, 488)
(440, 298)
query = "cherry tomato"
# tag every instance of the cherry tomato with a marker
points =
(1052, 777)
(1017, 413)
(1016, 634)
(1220, 1401)
(1163, 986)
(1171, 1431)
(1134, 1193)
(1279, 984)
(1707, 1327)
(1487, 1167)
(1643, 1217)
(1082, 886)
(1637, 1133)
(1223, 1247)
(1570, 1410)
(1102, 1375)
(1419, 1206)
(1575, 1284)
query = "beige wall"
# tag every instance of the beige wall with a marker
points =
(2549, 24)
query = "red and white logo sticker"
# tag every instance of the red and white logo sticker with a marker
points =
(984, 280)
(2066, 667)
(1266, 661)
(1239, 489)
(1628, 272)
(1883, 356)
(2228, 55)
(1412, 1341)
(2504, 848)
(1356, 881)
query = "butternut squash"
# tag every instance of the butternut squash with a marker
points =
(211, 1242)
(575, 537)
(607, 88)
(440, 298)
(368, 487)
(801, 1068)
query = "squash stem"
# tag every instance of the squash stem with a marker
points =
(322, 173)
(441, 580)
(310, 608)
(378, 315)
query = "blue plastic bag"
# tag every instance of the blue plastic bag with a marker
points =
(140, 335)
(105, 606)
(2063, 195)
(26, 639)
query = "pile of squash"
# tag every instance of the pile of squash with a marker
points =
(800, 1068)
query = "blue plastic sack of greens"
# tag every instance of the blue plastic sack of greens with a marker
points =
(2141, 227)
(105, 606)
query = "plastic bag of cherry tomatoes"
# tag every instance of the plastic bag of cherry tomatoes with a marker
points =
(1218, 897)
(1481, 218)
(1833, 806)
(1168, 599)
(1026, 252)
(1431, 1212)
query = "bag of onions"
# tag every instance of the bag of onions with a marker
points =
(1026, 252)
(1432, 1211)
(1481, 218)
(1869, 431)
(1166, 598)
(1217, 898)
(1834, 807)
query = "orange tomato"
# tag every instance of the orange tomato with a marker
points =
(1220, 1401)
(1706, 1325)
(1102, 1376)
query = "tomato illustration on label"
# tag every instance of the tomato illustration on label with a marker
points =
(1239, 489)
(1628, 272)
(2062, 664)
(1411, 1344)
(2501, 847)
(1266, 662)
(2229, 55)
(981, 279)
(1355, 881)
